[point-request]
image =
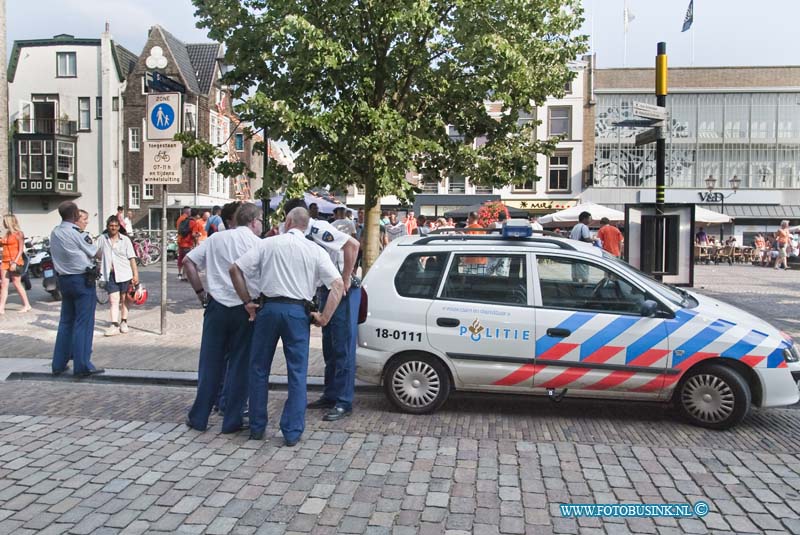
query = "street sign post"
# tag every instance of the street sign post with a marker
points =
(649, 111)
(162, 162)
(639, 123)
(163, 116)
(649, 136)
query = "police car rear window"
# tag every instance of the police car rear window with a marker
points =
(420, 274)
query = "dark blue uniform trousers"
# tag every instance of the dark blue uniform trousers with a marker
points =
(289, 323)
(225, 343)
(76, 326)
(339, 338)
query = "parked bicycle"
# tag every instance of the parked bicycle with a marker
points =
(147, 251)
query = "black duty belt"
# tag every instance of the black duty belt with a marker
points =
(284, 300)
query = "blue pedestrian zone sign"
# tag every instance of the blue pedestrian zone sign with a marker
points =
(162, 116)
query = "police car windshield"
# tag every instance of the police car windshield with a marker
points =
(674, 295)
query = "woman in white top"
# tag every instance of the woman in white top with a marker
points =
(118, 271)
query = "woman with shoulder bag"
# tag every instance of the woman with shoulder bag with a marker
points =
(118, 271)
(13, 243)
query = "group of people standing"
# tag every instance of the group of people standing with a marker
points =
(261, 291)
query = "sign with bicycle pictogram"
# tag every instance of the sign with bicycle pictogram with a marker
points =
(163, 115)
(162, 162)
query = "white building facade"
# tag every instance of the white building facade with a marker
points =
(562, 174)
(65, 112)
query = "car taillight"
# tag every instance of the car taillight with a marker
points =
(363, 307)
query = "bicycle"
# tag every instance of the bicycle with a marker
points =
(146, 252)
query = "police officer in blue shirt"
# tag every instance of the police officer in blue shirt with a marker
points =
(73, 254)
(339, 336)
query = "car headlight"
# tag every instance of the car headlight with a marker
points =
(792, 354)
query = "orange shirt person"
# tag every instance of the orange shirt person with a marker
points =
(186, 241)
(611, 237)
(472, 223)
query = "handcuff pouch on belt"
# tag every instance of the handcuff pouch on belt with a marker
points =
(91, 274)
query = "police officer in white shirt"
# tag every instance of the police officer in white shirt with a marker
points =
(73, 254)
(226, 327)
(339, 337)
(287, 269)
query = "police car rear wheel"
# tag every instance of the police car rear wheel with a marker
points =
(417, 384)
(714, 396)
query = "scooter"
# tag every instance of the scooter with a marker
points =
(36, 249)
(49, 278)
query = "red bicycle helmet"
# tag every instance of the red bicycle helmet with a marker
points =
(137, 294)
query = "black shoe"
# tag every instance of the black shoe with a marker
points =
(188, 423)
(321, 403)
(337, 413)
(59, 372)
(290, 443)
(256, 436)
(243, 427)
(89, 373)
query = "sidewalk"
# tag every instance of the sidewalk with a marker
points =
(32, 335)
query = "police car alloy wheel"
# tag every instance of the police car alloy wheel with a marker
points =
(417, 383)
(714, 396)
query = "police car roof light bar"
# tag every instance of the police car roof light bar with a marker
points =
(561, 243)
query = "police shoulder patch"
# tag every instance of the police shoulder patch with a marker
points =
(87, 239)
(327, 236)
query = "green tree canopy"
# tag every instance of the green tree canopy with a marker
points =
(365, 89)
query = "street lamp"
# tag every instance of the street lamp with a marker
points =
(710, 183)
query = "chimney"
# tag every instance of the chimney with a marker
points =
(108, 27)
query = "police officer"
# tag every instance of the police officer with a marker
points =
(73, 254)
(340, 336)
(287, 269)
(226, 329)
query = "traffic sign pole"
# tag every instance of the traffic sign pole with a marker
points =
(661, 156)
(162, 165)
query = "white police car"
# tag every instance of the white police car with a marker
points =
(546, 315)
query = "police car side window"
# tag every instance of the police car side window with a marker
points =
(419, 275)
(500, 279)
(573, 283)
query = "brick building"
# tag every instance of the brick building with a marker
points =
(206, 113)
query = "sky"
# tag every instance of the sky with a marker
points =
(726, 32)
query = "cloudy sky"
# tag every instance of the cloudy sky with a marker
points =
(727, 32)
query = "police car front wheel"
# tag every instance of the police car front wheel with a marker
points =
(417, 384)
(714, 396)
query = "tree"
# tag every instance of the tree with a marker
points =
(366, 89)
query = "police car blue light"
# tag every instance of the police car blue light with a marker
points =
(517, 228)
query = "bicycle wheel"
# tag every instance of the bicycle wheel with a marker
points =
(102, 293)
(155, 253)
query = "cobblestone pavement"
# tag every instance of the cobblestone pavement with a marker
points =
(84, 458)
(33, 335)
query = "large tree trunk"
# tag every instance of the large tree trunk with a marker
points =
(372, 215)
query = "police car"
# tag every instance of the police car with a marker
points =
(511, 312)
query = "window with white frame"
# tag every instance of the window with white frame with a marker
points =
(134, 196)
(65, 160)
(190, 118)
(84, 113)
(134, 138)
(66, 65)
(558, 178)
(239, 142)
(560, 122)
(149, 191)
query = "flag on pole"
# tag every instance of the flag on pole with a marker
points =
(689, 18)
(628, 16)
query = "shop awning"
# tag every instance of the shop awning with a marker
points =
(762, 211)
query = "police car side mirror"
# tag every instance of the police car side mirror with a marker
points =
(649, 308)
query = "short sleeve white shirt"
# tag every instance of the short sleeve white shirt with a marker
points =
(345, 225)
(580, 232)
(215, 256)
(332, 240)
(117, 256)
(288, 265)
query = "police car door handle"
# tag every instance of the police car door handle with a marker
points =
(555, 332)
(447, 322)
